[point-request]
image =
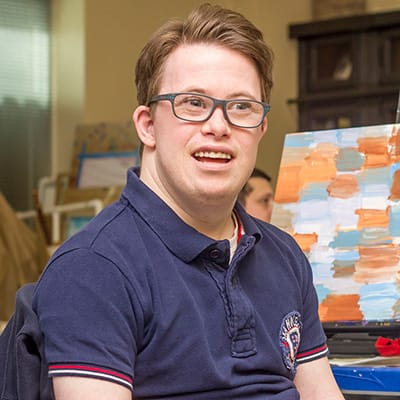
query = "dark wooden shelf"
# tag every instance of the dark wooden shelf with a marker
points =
(363, 22)
(349, 71)
(347, 95)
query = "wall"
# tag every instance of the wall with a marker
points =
(68, 78)
(116, 31)
(97, 43)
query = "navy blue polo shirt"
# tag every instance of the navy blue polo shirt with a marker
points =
(142, 299)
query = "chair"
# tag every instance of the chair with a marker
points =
(101, 154)
(56, 200)
(23, 370)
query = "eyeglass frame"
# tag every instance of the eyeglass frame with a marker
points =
(216, 102)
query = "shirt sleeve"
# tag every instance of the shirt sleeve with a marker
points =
(89, 316)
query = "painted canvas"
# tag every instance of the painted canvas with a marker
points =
(338, 194)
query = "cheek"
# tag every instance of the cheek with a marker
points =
(252, 206)
(168, 139)
(173, 151)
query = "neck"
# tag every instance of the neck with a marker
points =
(217, 227)
(213, 219)
(208, 215)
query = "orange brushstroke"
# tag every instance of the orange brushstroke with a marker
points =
(288, 187)
(368, 218)
(318, 168)
(343, 272)
(327, 150)
(305, 240)
(337, 307)
(375, 150)
(374, 276)
(343, 186)
(301, 166)
(376, 160)
(395, 189)
(385, 255)
(377, 263)
(395, 144)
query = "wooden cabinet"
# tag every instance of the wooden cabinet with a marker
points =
(349, 71)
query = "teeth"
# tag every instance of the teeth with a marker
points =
(212, 154)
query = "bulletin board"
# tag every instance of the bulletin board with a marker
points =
(100, 144)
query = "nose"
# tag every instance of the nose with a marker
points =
(217, 124)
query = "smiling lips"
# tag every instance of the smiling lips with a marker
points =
(217, 156)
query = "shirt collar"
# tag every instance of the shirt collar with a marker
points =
(181, 239)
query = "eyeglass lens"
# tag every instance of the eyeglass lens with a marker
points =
(194, 107)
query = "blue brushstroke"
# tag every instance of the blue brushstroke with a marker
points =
(349, 159)
(343, 264)
(375, 236)
(328, 136)
(394, 220)
(393, 168)
(299, 140)
(314, 191)
(346, 239)
(377, 300)
(312, 210)
(351, 255)
(321, 271)
(348, 137)
(375, 176)
(322, 292)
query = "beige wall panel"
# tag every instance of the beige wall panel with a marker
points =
(96, 44)
(95, 64)
(67, 81)
(116, 31)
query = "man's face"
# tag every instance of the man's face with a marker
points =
(209, 162)
(259, 201)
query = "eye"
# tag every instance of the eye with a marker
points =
(241, 106)
(266, 200)
(194, 102)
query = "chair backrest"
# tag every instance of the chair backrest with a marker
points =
(23, 370)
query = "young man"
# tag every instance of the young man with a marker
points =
(257, 195)
(174, 292)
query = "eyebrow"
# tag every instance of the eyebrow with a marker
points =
(235, 95)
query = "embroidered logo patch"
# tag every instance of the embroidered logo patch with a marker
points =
(289, 337)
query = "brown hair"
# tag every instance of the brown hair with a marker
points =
(206, 24)
(247, 188)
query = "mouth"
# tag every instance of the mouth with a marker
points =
(214, 156)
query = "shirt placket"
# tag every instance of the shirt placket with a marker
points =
(239, 311)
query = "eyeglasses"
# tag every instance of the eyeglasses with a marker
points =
(194, 107)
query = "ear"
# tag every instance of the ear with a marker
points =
(264, 126)
(143, 121)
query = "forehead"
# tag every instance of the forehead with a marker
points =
(210, 68)
(259, 184)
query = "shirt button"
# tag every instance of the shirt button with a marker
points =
(215, 253)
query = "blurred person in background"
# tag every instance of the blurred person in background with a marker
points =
(257, 195)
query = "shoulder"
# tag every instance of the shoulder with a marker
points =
(279, 238)
(282, 252)
(100, 249)
(102, 235)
